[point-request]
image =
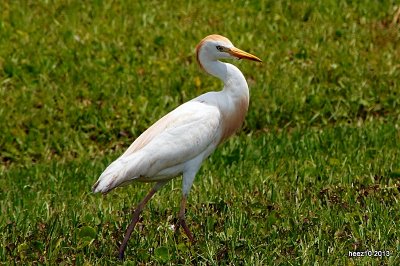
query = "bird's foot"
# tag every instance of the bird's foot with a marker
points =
(182, 222)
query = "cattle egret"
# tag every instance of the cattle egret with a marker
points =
(180, 141)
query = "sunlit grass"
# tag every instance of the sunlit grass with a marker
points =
(313, 175)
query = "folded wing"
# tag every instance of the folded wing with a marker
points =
(178, 137)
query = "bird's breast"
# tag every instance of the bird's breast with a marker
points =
(233, 117)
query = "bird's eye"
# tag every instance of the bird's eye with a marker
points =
(220, 48)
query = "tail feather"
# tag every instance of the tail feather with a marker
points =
(120, 172)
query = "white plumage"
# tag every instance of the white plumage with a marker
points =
(177, 143)
(181, 140)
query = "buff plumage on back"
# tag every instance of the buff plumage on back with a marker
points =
(149, 134)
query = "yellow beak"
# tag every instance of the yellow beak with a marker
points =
(242, 54)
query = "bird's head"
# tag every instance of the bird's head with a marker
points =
(214, 47)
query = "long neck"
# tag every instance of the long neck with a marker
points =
(235, 93)
(234, 82)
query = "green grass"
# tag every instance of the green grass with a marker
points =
(314, 174)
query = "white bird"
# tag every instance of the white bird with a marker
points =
(180, 141)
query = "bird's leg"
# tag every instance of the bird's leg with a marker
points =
(182, 221)
(135, 218)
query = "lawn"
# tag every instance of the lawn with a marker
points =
(313, 175)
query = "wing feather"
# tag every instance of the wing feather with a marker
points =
(176, 138)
